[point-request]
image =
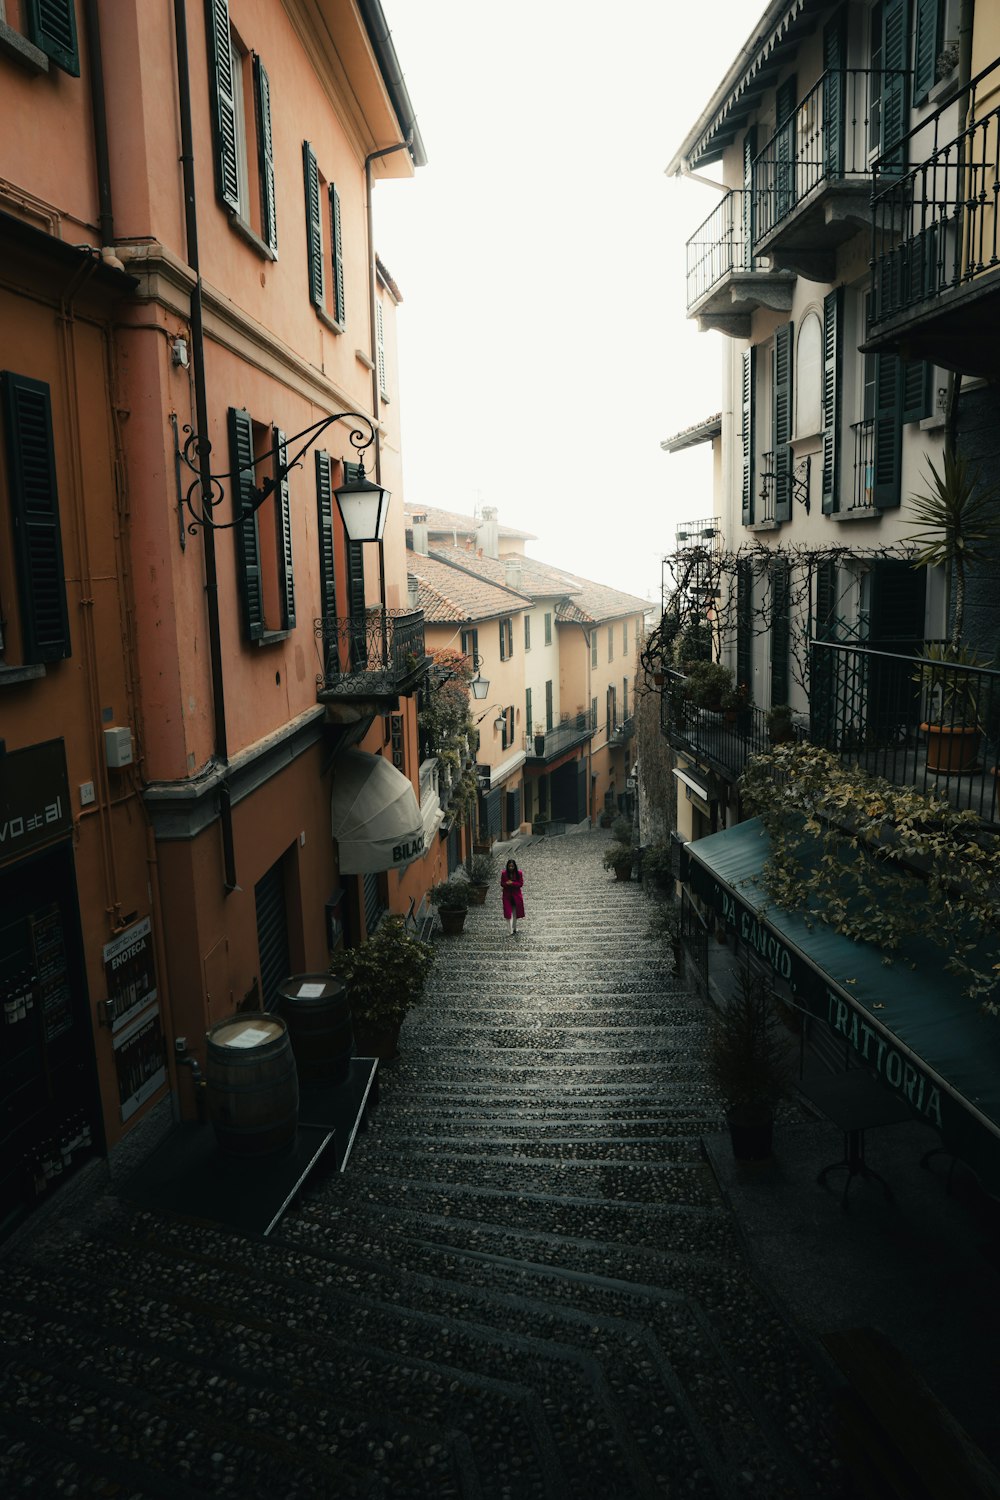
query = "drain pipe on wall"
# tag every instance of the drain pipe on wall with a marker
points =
(373, 334)
(201, 410)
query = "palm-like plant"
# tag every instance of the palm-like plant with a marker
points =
(959, 527)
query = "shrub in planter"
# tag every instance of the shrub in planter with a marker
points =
(749, 1063)
(384, 977)
(621, 831)
(605, 819)
(657, 864)
(780, 725)
(480, 873)
(451, 897)
(706, 683)
(618, 857)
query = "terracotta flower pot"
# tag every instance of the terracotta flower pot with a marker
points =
(452, 921)
(951, 749)
(477, 894)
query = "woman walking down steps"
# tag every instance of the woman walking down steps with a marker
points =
(512, 887)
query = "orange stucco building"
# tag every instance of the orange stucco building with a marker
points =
(194, 259)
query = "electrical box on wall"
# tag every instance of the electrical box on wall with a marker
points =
(118, 746)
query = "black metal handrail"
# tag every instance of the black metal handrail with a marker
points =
(726, 740)
(935, 224)
(827, 137)
(720, 245)
(764, 507)
(920, 722)
(375, 652)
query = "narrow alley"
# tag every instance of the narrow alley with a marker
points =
(525, 1284)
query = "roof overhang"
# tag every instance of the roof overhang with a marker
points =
(691, 437)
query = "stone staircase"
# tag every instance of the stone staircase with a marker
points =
(526, 1284)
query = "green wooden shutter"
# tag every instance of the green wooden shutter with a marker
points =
(824, 625)
(356, 588)
(327, 555)
(749, 152)
(744, 622)
(529, 722)
(337, 244)
(779, 631)
(888, 431)
(895, 87)
(314, 228)
(265, 156)
(380, 342)
(747, 432)
(832, 338)
(223, 85)
(918, 394)
(782, 422)
(51, 26)
(241, 463)
(833, 96)
(926, 47)
(282, 500)
(784, 149)
(34, 503)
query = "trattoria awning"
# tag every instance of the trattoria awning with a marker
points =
(907, 1020)
(374, 815)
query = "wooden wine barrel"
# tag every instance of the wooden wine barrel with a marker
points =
(317, 1010)
(252, 1084)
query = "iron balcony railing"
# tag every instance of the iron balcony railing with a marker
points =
(725, 741)
(722, 244)
(929, 724)
(763, 510)
(863, 491)
(828, 137)
(935, 221)
(565, 736)
(621, 730)
(380, 653)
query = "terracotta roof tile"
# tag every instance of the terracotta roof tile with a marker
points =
(449, 596)
(447, 521)
(525, 576)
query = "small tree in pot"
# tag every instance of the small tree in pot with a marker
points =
(480, 872)
(384, 977)
(451, 898)
(749, 1062)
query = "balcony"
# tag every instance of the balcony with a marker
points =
(376, 656)
(725, 284)
(541, 749)
(883, 711)
(811, 183)
(724, 742)
(936, 240)
(620, 731)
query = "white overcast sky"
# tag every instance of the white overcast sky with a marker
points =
(544, 347)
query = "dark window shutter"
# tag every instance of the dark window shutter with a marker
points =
(220, 65)
(824, 628)
(337, 253)
(265, 156)
(356, 590)
(895, 60)
(327, 562)
(782, 422)
(833, 96)
(749, 152)
(314, 228)
(832, 335)
(784, 149)
(282, 501)
(779, 631)
(272, 933)
(548, 706)
(897, 602)
(380, 343)
(374, 905)
(888, 430)
(785, 100)
(34, 502)
(926, 47)
(744, 621)
(746, 431)
(918, 379)
(241, 463)
(529, 723)
(52, 28)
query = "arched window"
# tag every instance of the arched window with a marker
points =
(809, 377)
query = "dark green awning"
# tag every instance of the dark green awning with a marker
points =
(906, 1018)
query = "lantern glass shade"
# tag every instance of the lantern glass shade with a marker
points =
(363, 508)
(480, 686)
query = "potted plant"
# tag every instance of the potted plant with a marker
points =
(735, 701)
(480, 873)
(958, 530)
(539, 739)
(749, 1062)
(451, 897)
(780, 724)
(706, 682)
(619, 857)
(384, 977)
(621, 830)
(658, 865)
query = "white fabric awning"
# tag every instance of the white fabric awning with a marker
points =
(374, 815)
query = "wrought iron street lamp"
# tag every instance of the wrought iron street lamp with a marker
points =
(363, 505)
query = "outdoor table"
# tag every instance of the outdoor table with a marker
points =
(854, 1101)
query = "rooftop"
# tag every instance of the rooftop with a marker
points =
(450, 596)
(452, 521)
(690, 437)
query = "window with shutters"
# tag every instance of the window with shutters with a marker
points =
(38, 32)
(611, 642)
(624, 638)
(380, 348)
(593, 648)
(809, 377)
(507, 732)
(527, 632)
(529, 721)
(34, 622)
(506, 638)
(927, 44)
(748, 408)
(263, 539)
(548, 628)
(781, 421)
(470, 645)
(549, 707)
(780, 630)
(890, 53)
(241, 120)
(324, 243)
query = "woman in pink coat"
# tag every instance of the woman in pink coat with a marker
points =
(512, 886)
